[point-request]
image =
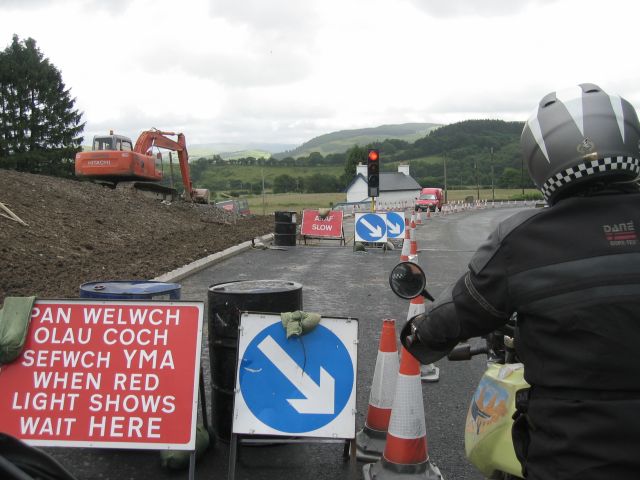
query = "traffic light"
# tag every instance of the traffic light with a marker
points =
(373, 172)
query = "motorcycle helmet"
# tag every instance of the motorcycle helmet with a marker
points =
(579, 136)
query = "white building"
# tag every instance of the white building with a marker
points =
(395, 188)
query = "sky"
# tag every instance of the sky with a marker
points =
(285, 71)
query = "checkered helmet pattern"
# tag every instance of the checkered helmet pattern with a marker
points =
(578, 135)
(583, 170)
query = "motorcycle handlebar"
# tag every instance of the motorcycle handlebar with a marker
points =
(464, 351)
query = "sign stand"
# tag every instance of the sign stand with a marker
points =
(343, 241)
(311, 395)
(236, 440)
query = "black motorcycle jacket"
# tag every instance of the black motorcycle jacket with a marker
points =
(572, 273)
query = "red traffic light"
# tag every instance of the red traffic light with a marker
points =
(373, 155)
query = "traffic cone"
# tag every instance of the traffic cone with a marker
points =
(413, 247)
(406, 244)
(405, 454)
(416, 307)
(428, 373)
(371, 439)
(419, 217)
(412, 224)
(428, 213)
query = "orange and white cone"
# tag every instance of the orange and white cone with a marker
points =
(419, 217)
(428, 213)
(412, 224)
(416, 307)
(406, 244)
(428, 373)
(413, 247)
(405, 453)
(370, 441)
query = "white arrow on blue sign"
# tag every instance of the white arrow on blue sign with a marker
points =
(371, 227)
(395, 224)
(301, 385)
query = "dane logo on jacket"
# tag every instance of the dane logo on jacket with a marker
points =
(621, 234)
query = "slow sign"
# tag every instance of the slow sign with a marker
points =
(316, 225)
(121, 374)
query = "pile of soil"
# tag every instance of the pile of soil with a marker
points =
(79, 232)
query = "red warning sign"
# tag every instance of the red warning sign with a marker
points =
(316, 225)
(117, 374)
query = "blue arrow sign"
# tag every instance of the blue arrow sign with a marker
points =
(395, 224)
(371, 227)
(295, 385)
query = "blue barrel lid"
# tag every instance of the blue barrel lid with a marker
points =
(129, 287)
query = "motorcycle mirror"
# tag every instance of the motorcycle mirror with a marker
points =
(407, 280)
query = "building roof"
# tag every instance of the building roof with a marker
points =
(394, 181)
(391, 182)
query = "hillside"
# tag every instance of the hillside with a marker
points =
(341, 141)
(236, 150)
(480, 152)
(80, 232)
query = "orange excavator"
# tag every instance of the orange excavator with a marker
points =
(113, 160)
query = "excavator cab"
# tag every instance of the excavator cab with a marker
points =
(112, 142)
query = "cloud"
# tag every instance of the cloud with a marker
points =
(25, 4)
(475, 8)
(282, 16)
(257, 67)
(114, 7)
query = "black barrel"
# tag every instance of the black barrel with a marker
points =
(285, 229)
(225, 303)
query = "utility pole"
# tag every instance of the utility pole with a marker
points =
(477, 182)
(444, 159)
(263, 204)
(493, 185)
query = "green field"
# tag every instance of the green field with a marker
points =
(294, 202)
(253, 174)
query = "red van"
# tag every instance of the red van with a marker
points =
(430, 198)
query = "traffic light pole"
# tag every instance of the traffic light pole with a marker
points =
(373, 176)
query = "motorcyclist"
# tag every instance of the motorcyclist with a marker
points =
(572, 274)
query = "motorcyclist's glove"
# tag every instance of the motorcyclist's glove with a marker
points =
(426, 340)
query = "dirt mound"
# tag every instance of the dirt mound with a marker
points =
(80, 232)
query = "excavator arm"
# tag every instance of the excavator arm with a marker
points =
(157, 138)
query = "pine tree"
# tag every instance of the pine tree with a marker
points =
(40, 131)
